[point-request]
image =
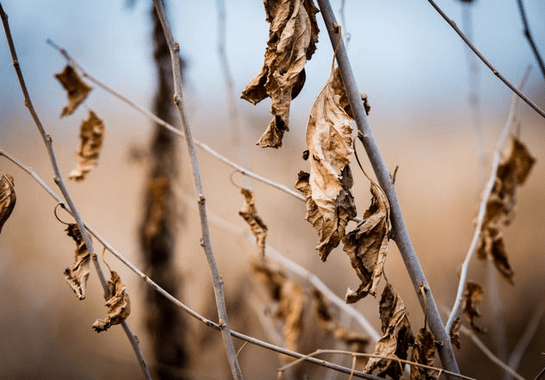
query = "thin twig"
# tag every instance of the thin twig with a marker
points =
(485, 61)
(206, 242)
(60, 183)
(489, 353)
(400, 233)
(482, 209)
(528, 36)
(173, 299)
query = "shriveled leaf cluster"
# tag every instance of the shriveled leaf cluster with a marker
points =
(91, 139)
(118, 304)
(473, 296)
(7, 197)
(293, 34)
(423, 353)
(367, 245)
(329, 202)
(397, 336)
(512, 172)
(78, 274)
(256, 224)
(77, 90)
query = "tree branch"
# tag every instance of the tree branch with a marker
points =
(205, 241)
(485, 61)
(400, 233)
(528, 36)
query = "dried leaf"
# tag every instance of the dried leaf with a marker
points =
(455, 333)
(91, 138)
(367, 245)
(118, 304)
(330, 205)
(77, 90)
(7, 197)
(257, 226)
(293, 34)
(78, 273)
(397, 336)
(423, 353)
(500, 207)
(473, 296)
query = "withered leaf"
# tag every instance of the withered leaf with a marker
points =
(7, 197)
(91, 139)
(455, 333)
(397, 336)
(293, 34)
(77, 90)
(367, 245)
(329, 202)
(500, 207)
(118, 304)
(473, 296)
(257, 226)
(78, 273)
(423, 353)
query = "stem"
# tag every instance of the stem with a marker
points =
(64, 190)
(482, 211)
(529, 37)
(205, 241)
(400, 233)
(485, 61)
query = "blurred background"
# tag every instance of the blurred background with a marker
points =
(436, 113)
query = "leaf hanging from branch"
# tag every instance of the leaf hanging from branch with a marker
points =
(500, 207)
(118, 304)
(7, 197)
(397, 336)
(256, 224)
(423, 353)
(293, 34)
(330, 205)
(473, 296)
(78, 274)
(76, 89)
(367, 245)
(91, 139)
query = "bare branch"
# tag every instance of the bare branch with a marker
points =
(485, 61)
(401, 235)
(60, 183)
(528, 36)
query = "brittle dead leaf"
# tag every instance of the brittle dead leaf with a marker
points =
(91, 139)
(293, 34)
(455, 333)
(8, 197)
(500, 207)
(257, 226)
(473, 296)
(367, 245)
(329, 202)
(78, 274)
(397, 336)
(77, 90)
(423, 353)
(118, 304)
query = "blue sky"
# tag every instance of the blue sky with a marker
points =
(404, 55)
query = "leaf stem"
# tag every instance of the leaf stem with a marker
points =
(400, 233)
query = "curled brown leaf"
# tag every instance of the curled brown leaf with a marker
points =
(500, 207)
(455, 333)
(7, 197)
(78, 274)
(423, 353)
(473, 296)
(367, 245)
(293, 34)
(256, 224)
(118, 304)
(90, 144)
(397, 336)
(77, 90)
